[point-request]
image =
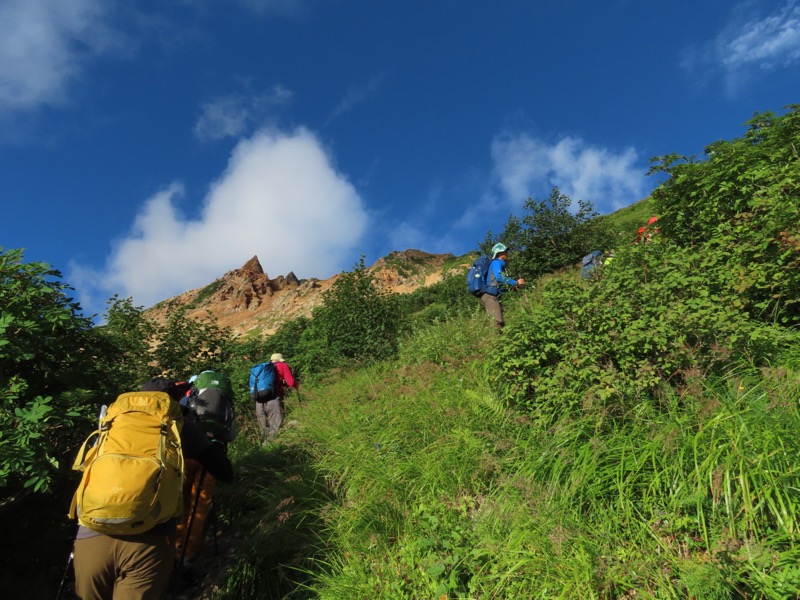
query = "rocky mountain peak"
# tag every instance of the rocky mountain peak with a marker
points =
(252, 267)
(246, 299)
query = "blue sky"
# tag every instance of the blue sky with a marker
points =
(148, 147)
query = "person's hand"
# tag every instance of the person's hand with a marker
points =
(520, 282)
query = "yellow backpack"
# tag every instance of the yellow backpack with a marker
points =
(133, 474)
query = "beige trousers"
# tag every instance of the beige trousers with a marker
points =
(132, 567)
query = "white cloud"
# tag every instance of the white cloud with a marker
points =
(403, 236)
(236, 114)
(280, 198)
(527, 167)
(765, 44)
(356, 94)
(522, 167)
(750, 44)
(44, 45)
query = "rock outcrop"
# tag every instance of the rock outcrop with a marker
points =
(246, 299)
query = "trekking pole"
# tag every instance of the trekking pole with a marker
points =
(66, 574)
(213, 518)
(191, 521)
(100, 417)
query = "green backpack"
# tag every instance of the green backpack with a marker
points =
(211, 400)
(212, 379)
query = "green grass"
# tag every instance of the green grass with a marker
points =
(421, 477)
(205, 293)
(413, 479)
(627, 220)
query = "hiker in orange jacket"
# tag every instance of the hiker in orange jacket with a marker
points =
(646, 232)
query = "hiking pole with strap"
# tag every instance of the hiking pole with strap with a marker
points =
(296, 389)
(190, 522)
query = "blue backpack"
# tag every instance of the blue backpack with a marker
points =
(589, 263)
(478, 276)
(263, 382)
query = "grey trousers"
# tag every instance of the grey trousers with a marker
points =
(494, 308)
(270, 417)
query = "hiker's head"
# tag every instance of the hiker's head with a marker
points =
(162, 384)
(499, 249)
(277, 357)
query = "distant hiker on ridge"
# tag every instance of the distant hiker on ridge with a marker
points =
(497, 283)
(646, 232)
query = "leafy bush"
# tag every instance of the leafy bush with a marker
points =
(356, 321)
(651, 318)
(185, 346)
(137, 348)
(744, 202)
(551, 236)
(125, 343)
(46, 367)
(438, 302)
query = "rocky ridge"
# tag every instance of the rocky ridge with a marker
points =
(250, 302)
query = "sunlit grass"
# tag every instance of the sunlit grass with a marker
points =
(419, 482)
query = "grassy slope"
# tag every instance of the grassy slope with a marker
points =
(630, 218)
(411, 479)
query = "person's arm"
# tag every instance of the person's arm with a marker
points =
(286, 374)
(195, 444)
(216, 461)
(500, 275)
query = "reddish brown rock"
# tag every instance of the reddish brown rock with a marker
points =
(246, 299)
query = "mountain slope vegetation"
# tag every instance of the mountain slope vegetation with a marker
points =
(630, 435)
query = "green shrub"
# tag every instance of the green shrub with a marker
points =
(357, 321)
(743, 202)
(551, 235)
(650, 318)
(46, 370)
(125, 342)
(437, 303)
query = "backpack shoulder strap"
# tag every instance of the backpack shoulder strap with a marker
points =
(87, 451)
(490, 276)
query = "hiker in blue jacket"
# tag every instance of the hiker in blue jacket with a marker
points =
(498, 283)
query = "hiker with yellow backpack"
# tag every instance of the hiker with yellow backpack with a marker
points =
(130, 495)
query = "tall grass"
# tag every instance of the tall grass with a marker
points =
(413, 479)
